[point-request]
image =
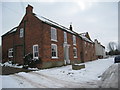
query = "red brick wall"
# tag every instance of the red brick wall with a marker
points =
(60, 40)
(78, 47)
(18, 47)
(90, 49)
(38, 32)
(7, 43)
(47, 44)
(33, 34)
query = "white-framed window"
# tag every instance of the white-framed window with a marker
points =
(86, 52)
(85, 44)
(65, 37)
(88, 44)
(10, 52)
(74, 40)
(54, 51)
(21, 32)
(53, 34)
(35, 51)
(75, 52)
(92, 45)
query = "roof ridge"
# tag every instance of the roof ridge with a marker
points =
(54, 22)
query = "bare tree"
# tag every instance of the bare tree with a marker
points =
(119, 45)
(112, 46)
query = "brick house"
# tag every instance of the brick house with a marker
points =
(54, 44)
(100, 49)
(88, 48)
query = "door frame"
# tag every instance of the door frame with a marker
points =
(66, 47)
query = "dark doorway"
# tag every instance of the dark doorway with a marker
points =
(81, 56)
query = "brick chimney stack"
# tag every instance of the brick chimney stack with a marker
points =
(29, 9)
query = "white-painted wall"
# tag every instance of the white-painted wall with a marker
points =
(100, 50)
(119, 45)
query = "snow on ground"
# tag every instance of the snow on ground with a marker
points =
(109, 78)
(9, 63)
(0, 82)
(60, 76)
(91, 72)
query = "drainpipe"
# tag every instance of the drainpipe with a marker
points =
(24, 51)
(13, 47)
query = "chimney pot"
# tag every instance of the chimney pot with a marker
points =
(71, 27)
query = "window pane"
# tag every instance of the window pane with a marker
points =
(10, 52)
(21, 32)
(65, 37)
(74, 52)
(36, 48)
(74, 39)
(36, 54)
(35, 51)
(53, 34)
(53, 54)
(54, 50)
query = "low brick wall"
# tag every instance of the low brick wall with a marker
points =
(75, 61)
(78, 66)
(50, 64)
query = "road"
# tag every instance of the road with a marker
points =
(109, 79)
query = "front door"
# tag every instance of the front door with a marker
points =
(66, 54)
(82, 59)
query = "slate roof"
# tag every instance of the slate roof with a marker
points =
(83, 36)
(50, 22)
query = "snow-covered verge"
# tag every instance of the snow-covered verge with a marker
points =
(109, 78)
(60, 77)
(9, 63)
(0, 82)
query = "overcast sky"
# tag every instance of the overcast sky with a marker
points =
(99, 19)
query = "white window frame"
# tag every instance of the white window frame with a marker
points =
(86, 52)
(85, 44)
(54, 57)
(88, 44)
(10, 52)
(92, 45)
(35, 57)
(21, 32)
(65, 37)
(74, 40)
(53, 34)
(76, 52)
